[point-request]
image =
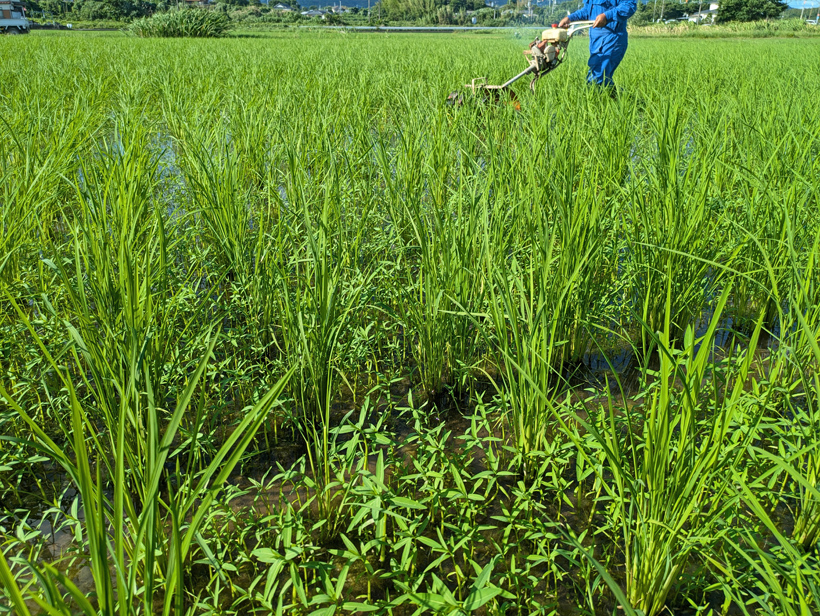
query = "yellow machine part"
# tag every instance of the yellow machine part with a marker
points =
(555, 35)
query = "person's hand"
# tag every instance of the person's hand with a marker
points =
(564, 23)
(600, 21)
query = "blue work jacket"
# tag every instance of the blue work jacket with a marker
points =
(616, 11)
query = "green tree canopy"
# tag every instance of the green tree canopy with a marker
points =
(417, 9)
(749, 10)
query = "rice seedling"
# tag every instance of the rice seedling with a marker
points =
(664, 234)
(777, 580)
(668, 464)
(793, 453)
(126, 531)
(435, 289)
(317, 303)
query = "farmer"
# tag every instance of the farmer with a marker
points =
(607, 38)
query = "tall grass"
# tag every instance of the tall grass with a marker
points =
(178, 23)
(762, 28)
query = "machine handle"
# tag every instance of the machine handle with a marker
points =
(577, 26)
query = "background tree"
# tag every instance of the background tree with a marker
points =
(643, 15)
(676, 10)
(432, 11)
(749, 10)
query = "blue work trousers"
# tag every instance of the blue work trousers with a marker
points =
(606, 50)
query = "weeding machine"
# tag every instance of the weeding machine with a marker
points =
(543, 56)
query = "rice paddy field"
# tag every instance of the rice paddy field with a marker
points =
(281, 332)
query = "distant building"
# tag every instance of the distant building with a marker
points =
(705, 15)
(314, 13)
(279, 6)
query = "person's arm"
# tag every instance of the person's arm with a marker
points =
(581, 14)
(621, 11)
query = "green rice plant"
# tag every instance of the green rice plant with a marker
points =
(116, 283)
(775, 262)
(779, 580)
(439, 244)
(669, 464)
(250, 130)
(199, 23)
(127, 531)
(17, 226)
(776, 208)
(795, 456)
(792, 454)
(586, 262)
(807, 459)
(33, 160)
(211, 168)
(527, 349)
(423, 303)
(317, 303)
(238, 226)
(540, 309)
(671, 233)
(262, 302)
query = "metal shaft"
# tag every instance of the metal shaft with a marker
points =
(526, 71)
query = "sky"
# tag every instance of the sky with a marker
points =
(799, 4)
